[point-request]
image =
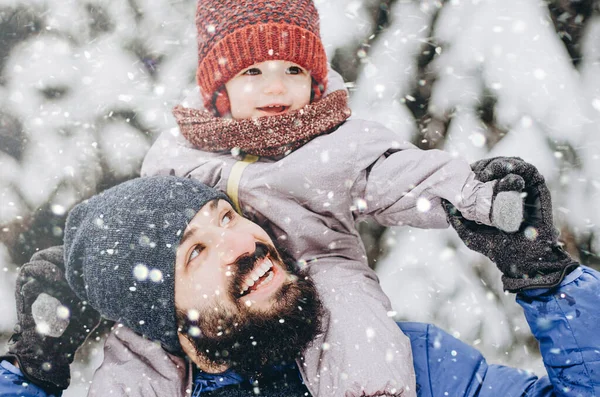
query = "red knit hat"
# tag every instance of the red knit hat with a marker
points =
(235, 34)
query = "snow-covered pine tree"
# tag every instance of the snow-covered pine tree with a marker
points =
(85, 86)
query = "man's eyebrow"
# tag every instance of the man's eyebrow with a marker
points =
(212, 206)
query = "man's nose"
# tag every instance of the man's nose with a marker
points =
(234, 244)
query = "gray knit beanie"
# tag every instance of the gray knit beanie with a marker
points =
(120, 248)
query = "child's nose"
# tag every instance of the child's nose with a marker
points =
(274, 86)
(234, 244)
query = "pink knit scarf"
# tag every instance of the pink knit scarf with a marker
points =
(271, 136)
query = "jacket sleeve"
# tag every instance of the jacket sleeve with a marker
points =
(404, 185)
(14, 384)
(564, 320)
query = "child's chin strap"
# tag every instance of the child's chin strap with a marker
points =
(233, 183)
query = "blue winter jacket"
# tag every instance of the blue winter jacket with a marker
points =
(565, 320)
(566, 323)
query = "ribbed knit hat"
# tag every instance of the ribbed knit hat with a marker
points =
(120, 248)
(235, 34)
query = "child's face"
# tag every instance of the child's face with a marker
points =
(268, 89)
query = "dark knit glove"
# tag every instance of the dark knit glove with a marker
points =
(52, 321)
(531, 257)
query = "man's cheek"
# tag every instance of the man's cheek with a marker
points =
(230, 273)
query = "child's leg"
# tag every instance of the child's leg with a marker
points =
(362, 351)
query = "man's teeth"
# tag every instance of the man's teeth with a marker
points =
(257, 274)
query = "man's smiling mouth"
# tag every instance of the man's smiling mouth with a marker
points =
(262, 274)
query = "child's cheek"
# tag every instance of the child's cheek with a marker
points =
(248, 87)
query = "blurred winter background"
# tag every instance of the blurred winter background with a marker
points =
(86, 85)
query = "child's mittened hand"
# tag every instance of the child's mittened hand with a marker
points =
(532, 257)
(507, 203)
(512, 175)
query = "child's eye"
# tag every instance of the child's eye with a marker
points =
(227, 217)
(195, 252)
(295, 70)
(252, 72)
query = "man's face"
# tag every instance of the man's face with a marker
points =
(268, 88)
(237, 302)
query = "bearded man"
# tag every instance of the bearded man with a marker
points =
(206, 304)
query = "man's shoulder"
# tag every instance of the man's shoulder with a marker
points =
(436, 340)
(441, 361)
(414, 327)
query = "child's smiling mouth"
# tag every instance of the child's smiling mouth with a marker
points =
(275, 109)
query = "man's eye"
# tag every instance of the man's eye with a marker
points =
(227, 217)
(195, 252)
(252, 72)
(295, 70)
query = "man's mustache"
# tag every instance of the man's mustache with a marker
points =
(245, 263)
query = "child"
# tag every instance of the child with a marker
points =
(272, 132)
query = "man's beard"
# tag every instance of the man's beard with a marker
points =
(245, 339)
